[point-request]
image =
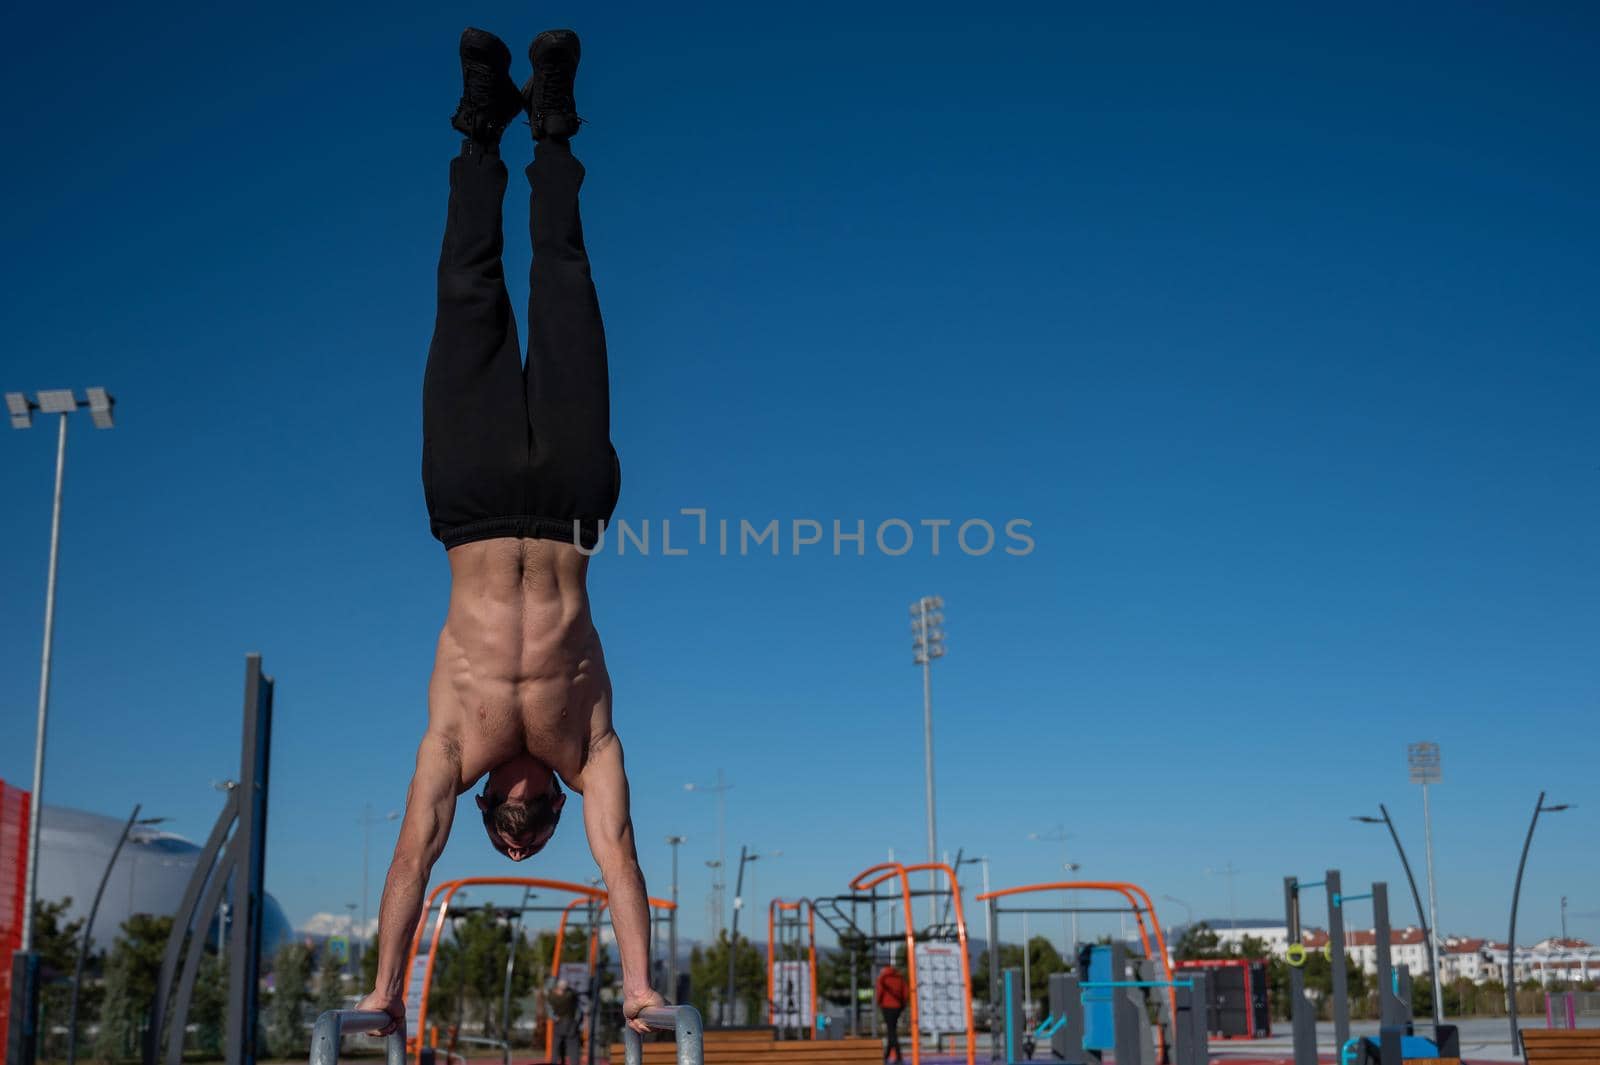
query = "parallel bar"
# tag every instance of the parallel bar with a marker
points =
(683, 1021)
(331, 1025)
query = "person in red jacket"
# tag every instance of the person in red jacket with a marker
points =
(892, 994)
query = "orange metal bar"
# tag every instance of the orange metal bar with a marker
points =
(961, 938)
(1134, 894)
(448, 889)
(886, 870)
(810, 911)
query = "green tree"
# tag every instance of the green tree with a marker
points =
(208, 1008)
(131, 970)
(287, 1036)
(330, 981)
(470, 970)
(56, 940)
(708, 976)
(1043, 960)
(1198, 941)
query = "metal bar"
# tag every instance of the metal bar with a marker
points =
(249, 902)
(203, 869)
(1092, 984)
(1336, 940)
(178, 1019)
(331, 1025)
(1074, 909)
(682, 1021)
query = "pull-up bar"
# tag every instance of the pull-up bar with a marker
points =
(1340, 900)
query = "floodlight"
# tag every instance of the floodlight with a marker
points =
(100, 402)
(57, 401)
(20, 409)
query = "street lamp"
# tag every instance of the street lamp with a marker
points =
(1511, 937)
(88, 929)
(719, 889)
(20, 407)
(733, 938)
(672, 923)
(927, 643)
(1188, 910)
(1416, 897)
(1423, 759)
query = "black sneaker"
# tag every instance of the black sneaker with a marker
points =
(489, 98)
(548, 94)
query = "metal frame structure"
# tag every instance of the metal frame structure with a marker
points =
(417, 990)
(1245, 965)
(1139, 905)
(239, 870)
(864, 891)
(791, 925)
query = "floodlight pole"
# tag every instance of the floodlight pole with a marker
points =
(36, 800)
(1423, 759)
(926, 645)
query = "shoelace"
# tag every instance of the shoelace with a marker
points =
(554, 92)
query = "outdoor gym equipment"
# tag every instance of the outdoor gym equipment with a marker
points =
(1066, 1027)
(1150, 937)
(423, 955)
(792, 978)
(938, 970)
(1397, 1041)
(682, 1021)
(237, 868)
(1237, 1006)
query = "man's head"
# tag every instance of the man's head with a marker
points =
(521, 805)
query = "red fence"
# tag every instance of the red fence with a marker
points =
(13, 871)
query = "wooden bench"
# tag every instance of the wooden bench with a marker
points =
(723, 1050)
(1561, 1046)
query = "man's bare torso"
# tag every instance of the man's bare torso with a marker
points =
(519, 665)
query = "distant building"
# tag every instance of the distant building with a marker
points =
(151, 874)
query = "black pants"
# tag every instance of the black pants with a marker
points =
(891, 1031)
(508, 450)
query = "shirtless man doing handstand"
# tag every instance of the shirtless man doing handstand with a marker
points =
(519, 475)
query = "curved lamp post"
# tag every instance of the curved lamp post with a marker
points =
(1416, 896)
(1511, 937)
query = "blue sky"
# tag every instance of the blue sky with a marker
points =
(1277, 325)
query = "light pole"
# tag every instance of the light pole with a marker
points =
(1416, 897)
(733, 938)
(62, 401)
(719, 888)
(672, 922)
(88, 929)
(1423, 759)
(20, 406)
(1511, 937)
(368, 819)
(927, 643)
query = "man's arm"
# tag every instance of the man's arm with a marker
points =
(430, 809)
(609, 824)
